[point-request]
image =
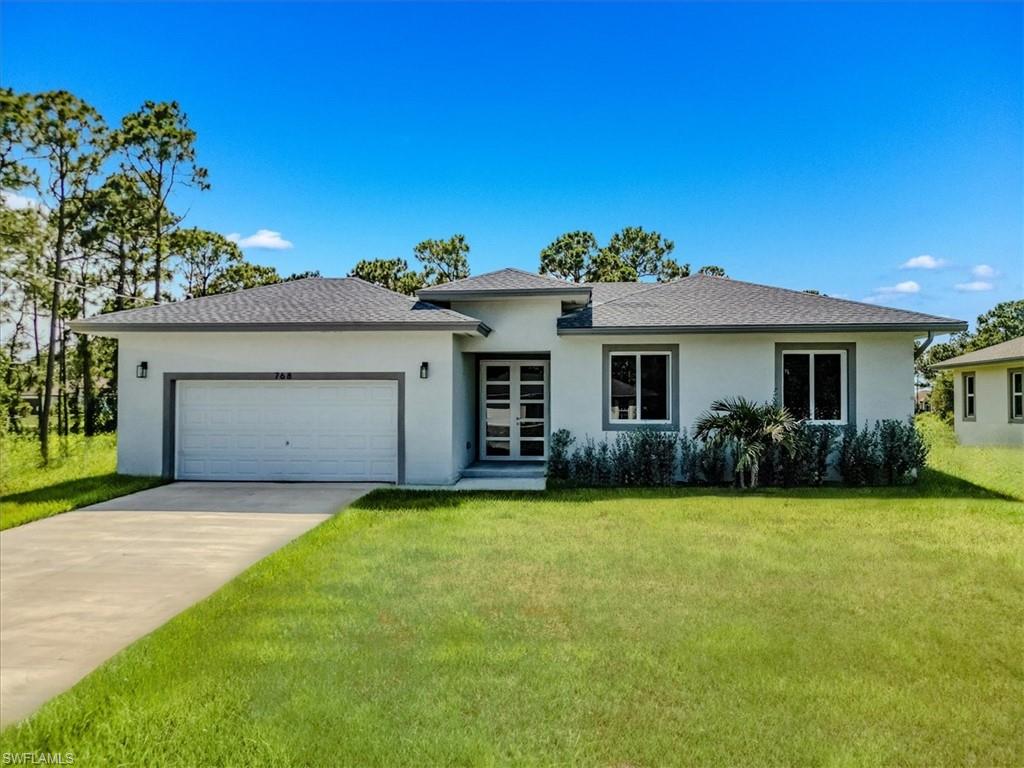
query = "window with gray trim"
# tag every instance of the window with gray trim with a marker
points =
(640, 387)
(969, 397)
(820, 373)
(1016, 394)
(814, 385)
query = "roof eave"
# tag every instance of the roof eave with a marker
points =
(936, 327)
(953, 363)
(110, 329)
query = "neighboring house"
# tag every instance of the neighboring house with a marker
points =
(923, 400)
(988, 394)
(338, 379)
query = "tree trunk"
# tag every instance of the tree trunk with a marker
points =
(122, 277)
(58, 263)
(88, 398)
(65, 336)
(85, 360)
(157, 219)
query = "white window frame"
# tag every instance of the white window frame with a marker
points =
(970, 396)
(668, 386)
(1016, 377)
(844, 384)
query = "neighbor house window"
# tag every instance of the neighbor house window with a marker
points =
(640, 388)
(969, 397)
(814, 385)
(1016, 394)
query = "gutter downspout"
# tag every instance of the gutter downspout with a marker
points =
(927, 343)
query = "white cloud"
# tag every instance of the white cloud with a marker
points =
(267, 239)
(974, 286)
(924, 261)
(18, 202)
(983, 271)
(907, 286)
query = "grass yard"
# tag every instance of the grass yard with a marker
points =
(81, 472)
(635, 628)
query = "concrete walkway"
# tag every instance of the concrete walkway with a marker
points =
(78, 587)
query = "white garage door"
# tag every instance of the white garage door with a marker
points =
(287, 430)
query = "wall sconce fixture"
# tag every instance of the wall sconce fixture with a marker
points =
(424, 369)
(141, 370)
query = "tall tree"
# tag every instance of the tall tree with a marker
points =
(393, 274)
(444, 260)
(159, 152)
(17, 118)
(117, 230)
(203, 256)
(711, 269)
(241, 275)
(642, 253)
(607, 267)
(1003, 322)
(568, 256)
(70, 137)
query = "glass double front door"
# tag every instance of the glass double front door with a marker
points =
(513, 403)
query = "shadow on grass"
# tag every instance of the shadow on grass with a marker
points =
(933, 484)
(82, 488)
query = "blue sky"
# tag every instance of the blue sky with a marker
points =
(808, 146)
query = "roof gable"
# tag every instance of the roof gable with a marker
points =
(507, 282)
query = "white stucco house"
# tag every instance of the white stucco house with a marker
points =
(338, 379)
(988, 394)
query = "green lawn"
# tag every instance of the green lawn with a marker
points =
(81, 472)
(636, 628)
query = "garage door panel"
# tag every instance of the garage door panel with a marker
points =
(289, 430)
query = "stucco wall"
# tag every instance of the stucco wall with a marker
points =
(712, 366)
(991, 425)
(464, 442)
(428, 402)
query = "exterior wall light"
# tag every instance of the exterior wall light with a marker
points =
(142, 370)
(424, 370)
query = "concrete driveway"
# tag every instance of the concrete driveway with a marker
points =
(78, 587)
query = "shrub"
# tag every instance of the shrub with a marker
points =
(591, 464)
(559, 458)
(890, 453)
(859, 459)
(689, 457)
(641, 457)
(902, 450)
(644, 457)
(807, 463)
(711, 463)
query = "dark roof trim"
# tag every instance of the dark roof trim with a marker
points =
(952, 362)
(84, 326)
(490, 293)
(626, 330)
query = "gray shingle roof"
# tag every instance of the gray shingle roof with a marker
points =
(1007, 351)
(508, 281)
(315, 303)
(703, 303)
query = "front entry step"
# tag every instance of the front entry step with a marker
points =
(497, 469)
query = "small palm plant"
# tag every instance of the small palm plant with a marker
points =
(750, 429)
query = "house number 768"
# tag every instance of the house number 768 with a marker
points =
(283, 375)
